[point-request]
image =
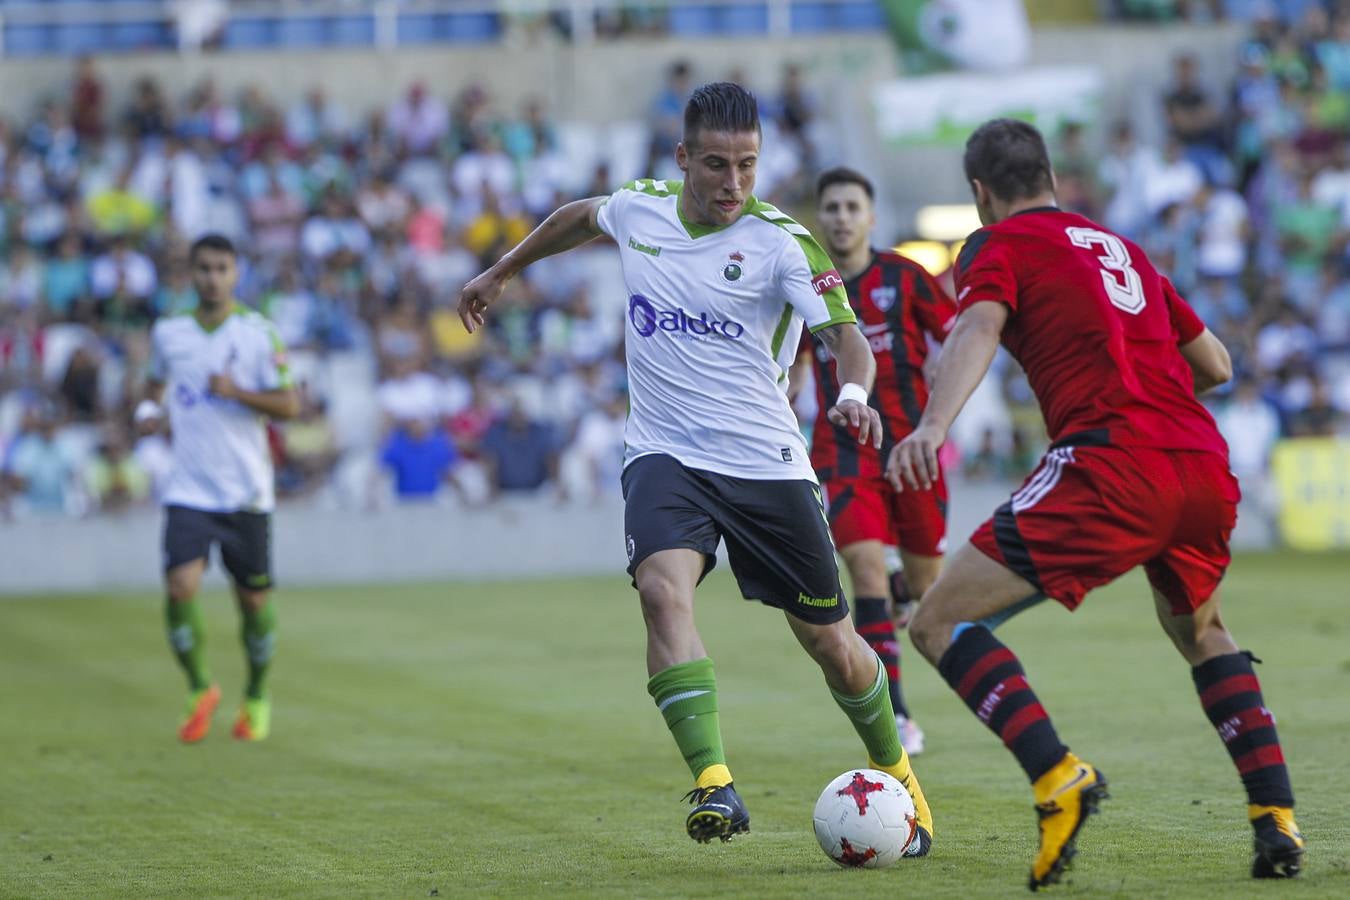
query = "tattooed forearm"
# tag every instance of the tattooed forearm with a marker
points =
(851, 351)
(832, 336)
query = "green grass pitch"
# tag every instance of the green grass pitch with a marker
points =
(496, 739)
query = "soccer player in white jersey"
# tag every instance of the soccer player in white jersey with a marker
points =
(219, 372)
(719, 285)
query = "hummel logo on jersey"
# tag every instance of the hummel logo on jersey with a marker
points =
(826, 281)
(817, 601)
(640, 247)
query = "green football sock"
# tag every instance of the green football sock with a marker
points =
(874, 719)
(686, 694)
(259, 634)
(187, 637)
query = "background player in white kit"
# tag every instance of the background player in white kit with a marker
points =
(223, 370)
(719, 285)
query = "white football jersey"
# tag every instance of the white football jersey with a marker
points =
(714, 319)
(221, 462)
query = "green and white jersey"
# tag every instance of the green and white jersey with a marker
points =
(221, 461)
(714, 319)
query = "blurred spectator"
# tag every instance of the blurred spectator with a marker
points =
(1304, 229)
(122, 278)
(1172, 179)
(1193, 117)
(21, 278)
(79, 385)
(593, 462)
(113, 479)
(1124, 173)
(493, 230)
(409, 393)
(66, 277)
(426, 228)
(314, 118)
(86, 101)
(1251, 425)
(667, 120)
(419, 120)
(1319, 418)
(309, 448)
(520, 453)
(334, 230)
(400, 340)
(149, 115)
(175, 295)
(1287, 337)
(118, 209)
(276, 216)
(421, 458)
(41, 469)
(1073, 170)
(483, 171)
(796, 112)
(383, 205)
(1222, 232)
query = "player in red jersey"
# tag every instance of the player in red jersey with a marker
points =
(899, 308)
(1137, 474)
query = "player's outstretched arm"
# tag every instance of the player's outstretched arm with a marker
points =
(856, 367)
(569, 226)
(965, 358)
(1210, 363)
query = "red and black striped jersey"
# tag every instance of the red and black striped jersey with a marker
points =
(899, 306)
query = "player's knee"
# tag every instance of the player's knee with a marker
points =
(253, 601)
(926, 627)
(660, 595)
(180, 590)
(845, 658)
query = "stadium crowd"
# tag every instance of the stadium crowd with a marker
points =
(358, 230)
(1246, 205)
(356, 234)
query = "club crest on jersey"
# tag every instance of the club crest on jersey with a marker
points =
(883, 298)
(732, 271)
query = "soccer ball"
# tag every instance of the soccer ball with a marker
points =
(865, 818)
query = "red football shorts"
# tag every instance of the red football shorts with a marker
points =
(869, 509)
(1088, 515)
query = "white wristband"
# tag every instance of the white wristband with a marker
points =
(851, 391)
(146, 410)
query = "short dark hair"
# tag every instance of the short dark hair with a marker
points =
(211, 242)
(1009, 158)
(844, 175)
(721, 106)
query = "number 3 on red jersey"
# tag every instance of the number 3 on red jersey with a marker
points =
(1123, 286)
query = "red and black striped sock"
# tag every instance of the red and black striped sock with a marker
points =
(874, 624)
(990, 680)
(1231, 696)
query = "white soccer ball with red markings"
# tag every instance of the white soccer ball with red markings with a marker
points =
(865, 818)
